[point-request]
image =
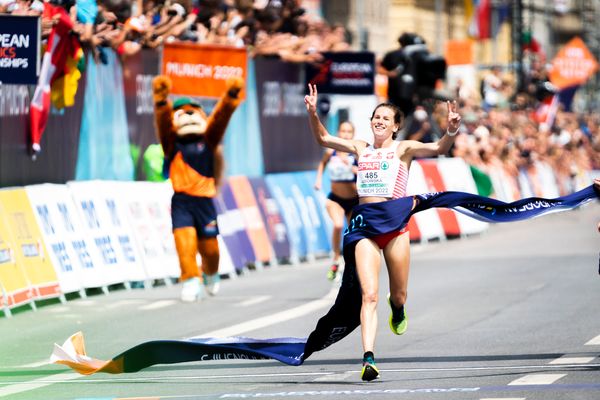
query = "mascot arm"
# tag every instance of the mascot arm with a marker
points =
(219, 118)
(163, 113)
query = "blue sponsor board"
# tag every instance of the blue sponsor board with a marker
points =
(279, 185)
(19, 49)
(228, 234)
(241, 233)
(272, 217)
(316, 211)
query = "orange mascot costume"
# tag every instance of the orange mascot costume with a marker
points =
(191, 142)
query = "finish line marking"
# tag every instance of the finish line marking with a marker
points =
(275, 375)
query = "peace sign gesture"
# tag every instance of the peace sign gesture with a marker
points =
(453, 117)
(311, 99)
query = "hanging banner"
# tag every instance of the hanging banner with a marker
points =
(30, 251)
(14, 286)
(573, 65)
(343, 72)
(19, 49)
(287, 144)
(202, 70)
(138, 72)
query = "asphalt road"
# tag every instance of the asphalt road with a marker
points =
(510, 314)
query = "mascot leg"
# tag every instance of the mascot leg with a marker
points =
(208, 247)
(186, 242)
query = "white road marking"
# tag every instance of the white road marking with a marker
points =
(504, 398)
(121, 303)
(157, 304)
(594, 342)
(253, 300)
(20, 387)
(537, 379)
(273, 319)
(84, 303)
(336, 377)
(35, 364)
(572, 360)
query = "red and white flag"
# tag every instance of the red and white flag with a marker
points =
(61, 47)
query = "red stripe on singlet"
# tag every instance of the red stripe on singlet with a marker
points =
(401, 182)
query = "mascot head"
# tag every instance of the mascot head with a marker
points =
(188, 117)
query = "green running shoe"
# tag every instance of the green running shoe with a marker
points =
(332, 273)
(369, 370)
(398, 323)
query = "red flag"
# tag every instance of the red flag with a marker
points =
(61, 47)
(546, 111)
(484, 12)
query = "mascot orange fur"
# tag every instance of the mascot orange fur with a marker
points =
(191, 142)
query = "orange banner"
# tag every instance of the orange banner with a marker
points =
(202, 70)
(573, 65)
(459, 52)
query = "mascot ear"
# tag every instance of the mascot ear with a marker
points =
(161, 86)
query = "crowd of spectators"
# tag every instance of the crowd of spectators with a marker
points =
(517, 134)
(501, 130)
(268, 27)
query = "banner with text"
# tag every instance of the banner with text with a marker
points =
(14, 286)
(202, 70)
(30, 250)
(343, 73)
(19, 49)
(286, 142)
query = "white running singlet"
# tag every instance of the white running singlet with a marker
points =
(381, 174)
(341, 169)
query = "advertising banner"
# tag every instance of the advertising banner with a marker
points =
(343, 72)
(30, 251)
(138, 72)
(54, 212)
(280, 187)
(234, 213)
(272, 218)
(435, 183)
(19, 49)
(425, 225)
(14, 286)
(106, 225)
(230, 223)
(316, 211)
(146, 207)
(457, 177)
(202, 70)
(573, 65)
(286, 141)
(255, 228)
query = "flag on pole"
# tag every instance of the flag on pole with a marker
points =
(58, 76)
(478, 14)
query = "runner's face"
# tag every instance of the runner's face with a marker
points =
(382, 123)
(346, 131)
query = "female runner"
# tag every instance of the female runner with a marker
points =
(382, 175)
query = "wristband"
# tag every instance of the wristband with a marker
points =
(452, 133)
